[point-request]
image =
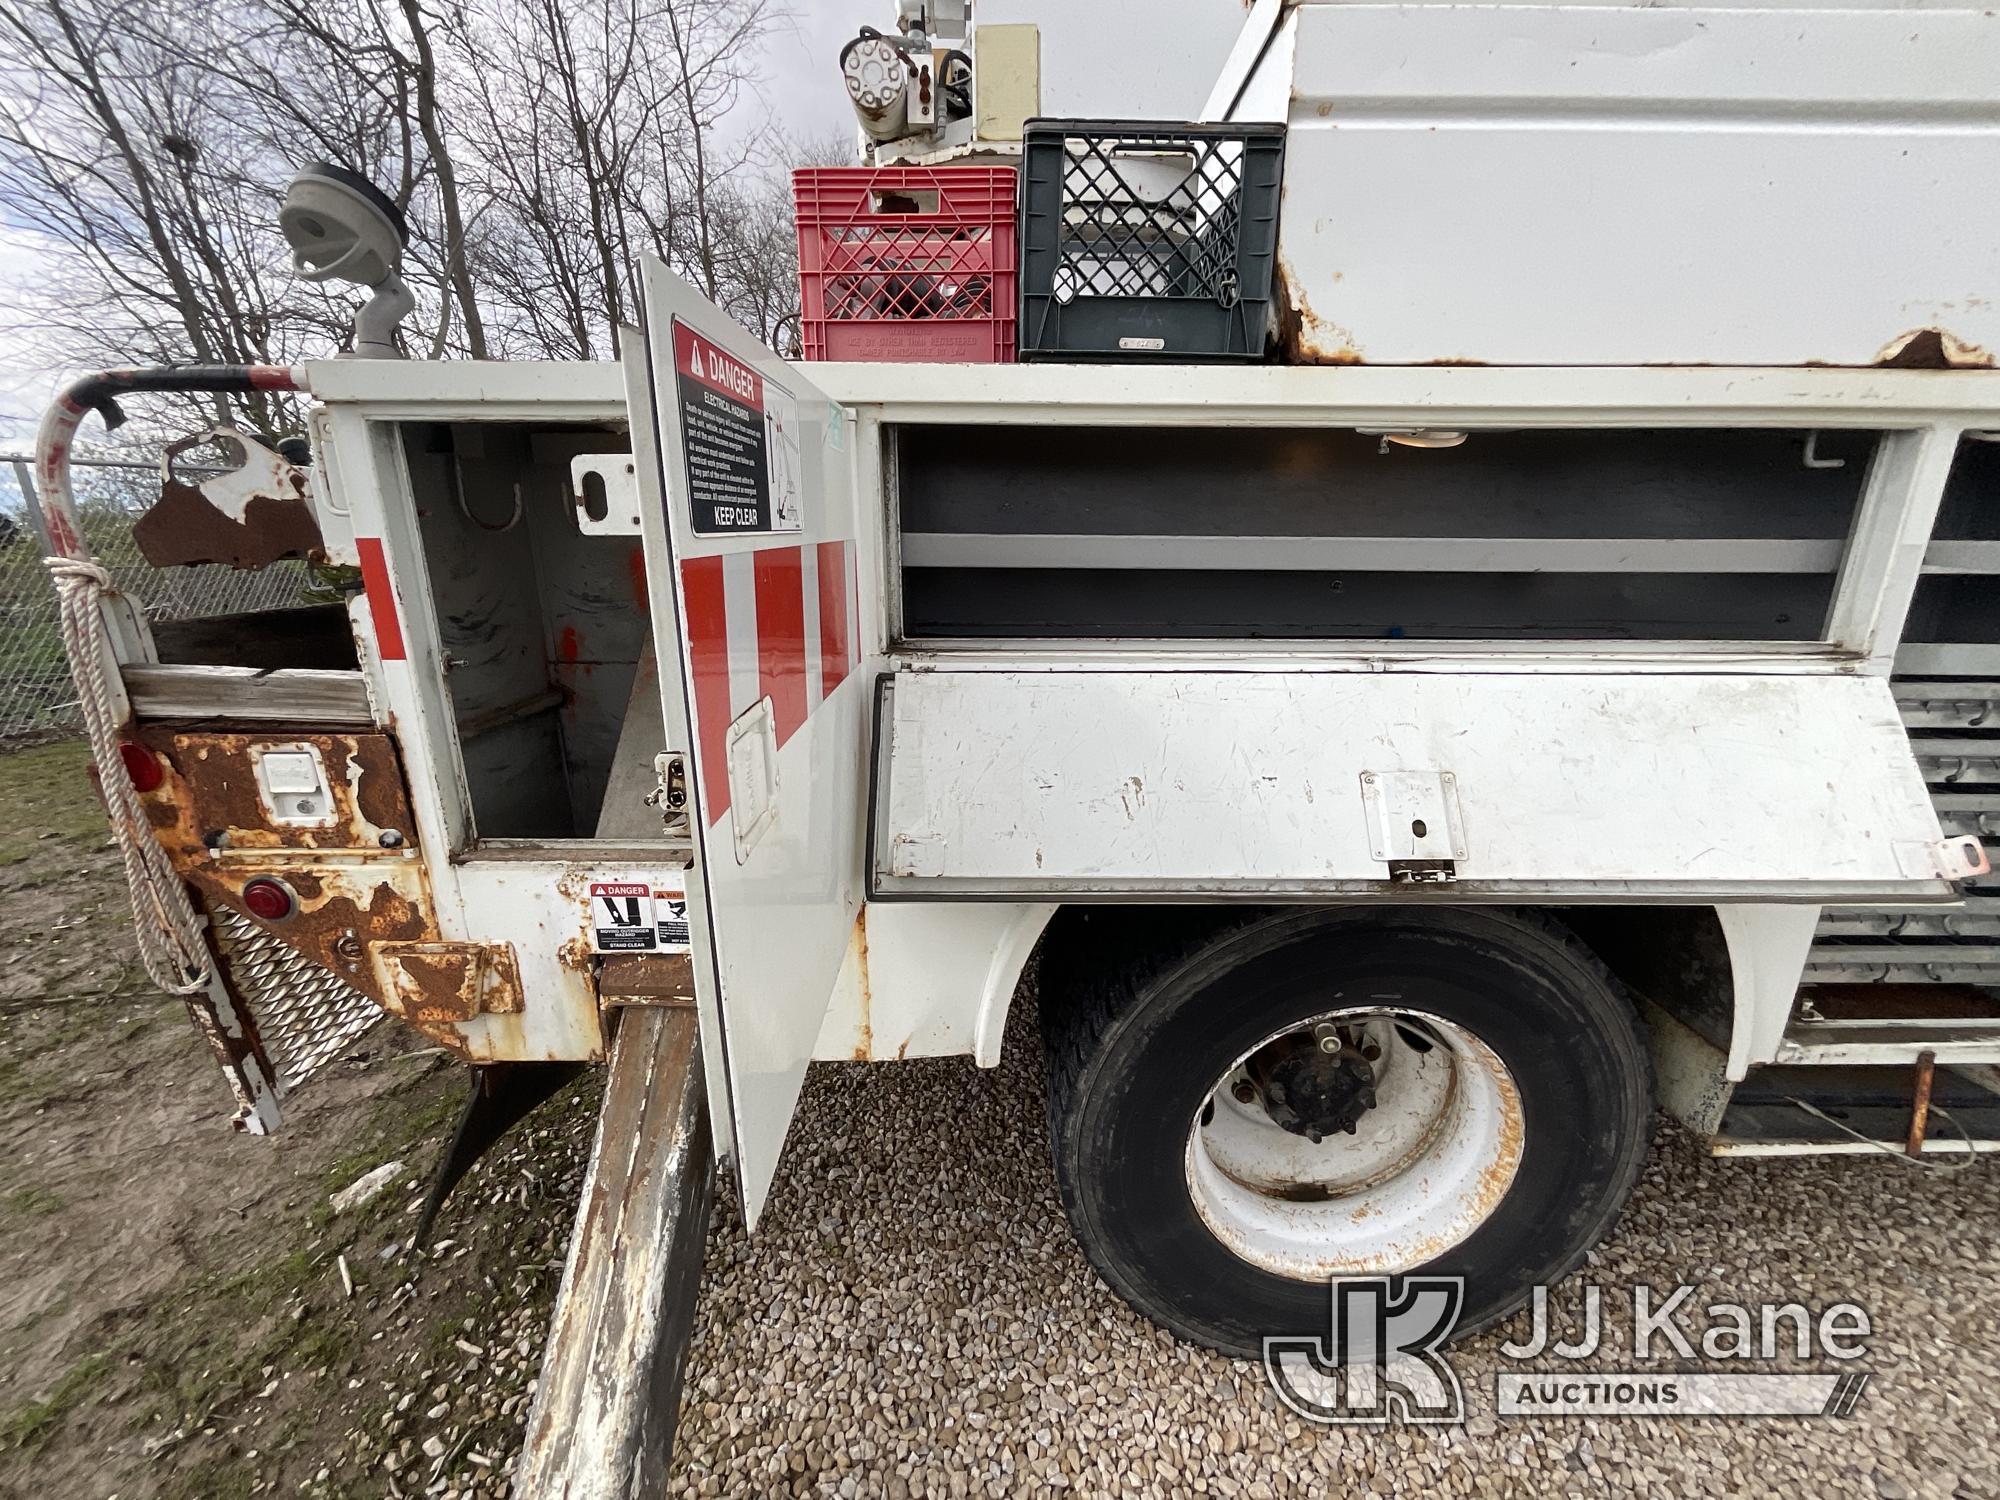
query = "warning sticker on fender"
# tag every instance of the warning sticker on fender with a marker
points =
(637, 916)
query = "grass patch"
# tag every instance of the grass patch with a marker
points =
(30, 1425)
(46, 789)
(209, 1351)
(31, 1202)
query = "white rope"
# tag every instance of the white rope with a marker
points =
(170, 934)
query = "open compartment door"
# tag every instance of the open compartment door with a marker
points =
(749, 521)
(1462, 786)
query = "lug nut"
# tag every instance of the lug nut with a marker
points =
(1245, 1091)
(389, 838)
(1371, 1053)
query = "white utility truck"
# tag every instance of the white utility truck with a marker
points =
(1563, 673)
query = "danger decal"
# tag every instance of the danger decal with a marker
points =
(637, 916)
(740, 441)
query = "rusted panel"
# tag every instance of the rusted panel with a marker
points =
(363, 906)
(249, 517)
(1305, 338)
(646, 976)
(602, 1423)
(212, 792)
(432, 981)
(1933, 349)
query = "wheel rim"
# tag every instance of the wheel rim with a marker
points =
(1427, 1164)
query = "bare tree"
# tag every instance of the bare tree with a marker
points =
(538, 147)
(101, 151)
(595, 134)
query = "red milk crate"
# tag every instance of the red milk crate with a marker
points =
(906, 263)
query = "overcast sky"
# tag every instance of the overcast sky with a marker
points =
(1133, 59)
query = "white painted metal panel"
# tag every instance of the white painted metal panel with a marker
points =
(776, 754)
(1598, 184)
(1785, 788)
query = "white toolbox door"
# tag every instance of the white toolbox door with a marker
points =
(749, 524)
(1254, 783)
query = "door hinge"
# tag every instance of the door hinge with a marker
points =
(1423, 871)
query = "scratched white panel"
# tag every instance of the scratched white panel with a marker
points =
(1624, 184)
(1599, 787)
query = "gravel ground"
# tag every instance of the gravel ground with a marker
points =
(913, 1318)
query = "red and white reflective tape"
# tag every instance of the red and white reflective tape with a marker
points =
(781, 623)
(380, 590)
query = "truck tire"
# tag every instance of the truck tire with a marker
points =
(1201, 1090)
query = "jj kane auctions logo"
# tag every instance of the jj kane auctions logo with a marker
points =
(1382, 1357)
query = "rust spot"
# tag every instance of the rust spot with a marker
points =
(569, 646)
(864, 1047)
(249, 517)
(183, 529)
(1305, 338)
(648, 976)
(448, 981)
(1932, 349)
(211, 787)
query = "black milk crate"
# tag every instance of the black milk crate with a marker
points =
(1148, 239)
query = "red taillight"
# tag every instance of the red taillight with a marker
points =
(142, 766)
(268, 899)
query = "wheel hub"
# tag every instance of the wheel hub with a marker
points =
(1313, 1084)
(1363, 1141)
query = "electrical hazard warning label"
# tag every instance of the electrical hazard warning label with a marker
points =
(739, 440)
(637, 916)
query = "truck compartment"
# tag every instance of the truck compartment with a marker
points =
(542, 627)
(1947, 688)
(1331, 534)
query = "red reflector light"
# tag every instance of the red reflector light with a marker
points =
(142, 766)
(267, 899)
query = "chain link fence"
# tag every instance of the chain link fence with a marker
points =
(37, 699)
